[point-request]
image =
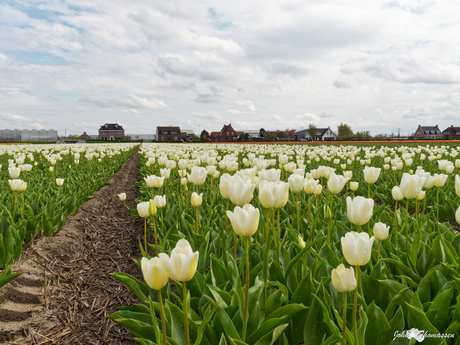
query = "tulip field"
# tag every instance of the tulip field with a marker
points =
(296, 244)
(41, 185)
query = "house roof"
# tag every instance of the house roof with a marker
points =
(214, 134)
(188, 131)
(168, 128)
(226, 128)
(84, 136)
(429, 128)
(111, 127)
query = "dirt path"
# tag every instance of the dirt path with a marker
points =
(66, 291)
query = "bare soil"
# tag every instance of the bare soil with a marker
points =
(65, 291)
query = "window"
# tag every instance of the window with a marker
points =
(233, 133)
(228, 133)
(175, 138)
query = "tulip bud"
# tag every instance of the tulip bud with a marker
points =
(59, 182)
(327, 213)
(51, 169)
(397, 194)
(301, 242)
(152, 208)
(343, 279)
(457, 185)
(14, 172)
(457, 215)
(122, 196)
(381, 231)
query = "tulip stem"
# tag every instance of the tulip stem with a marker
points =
(378, 252)
(197, 220)
(185, 307)
(267, 226)
(309, 216)
(355, 304)
(23, 204)
(226, 218)
(162, 231)
(145, 235)
(163, 323)
(437, 203)
(278, 237)
(235, 243)
(246, 301)
(344, 327)
(396, 211)
(298, 212)
(155, 229)
(407, 226)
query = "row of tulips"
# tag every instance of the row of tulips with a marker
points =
(289, 268)
(42, 184)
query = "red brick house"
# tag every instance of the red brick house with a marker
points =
(111, 131)
(84, 136)
(226, 134)
(451, 132)
(168, 133)
(428, 132)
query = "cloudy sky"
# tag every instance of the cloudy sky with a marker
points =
(73, 65)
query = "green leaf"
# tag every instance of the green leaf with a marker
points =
(139, 289)
(271, 338)
(227, 324)
(416, 319)
(438, 314)
(377, 325)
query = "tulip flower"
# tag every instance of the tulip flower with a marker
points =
(457, 215)
(14, 172)
(371, 175)
(59, 182)
(196, 201)
(336, 183)
(245, 221)
(241, 192)
(397, 194)
(198, 176)
(160, 201)
(122, 196)
(359, 210)
(354, 186)
(309, 186)
(343, 280)
(457, 185)
(411, 185)
(296, 183)
(156, 276)
(143, 210)
(381, 234)
(440, 180)
(271, 175)
(17, 185)
(356, 248)
(181, 266)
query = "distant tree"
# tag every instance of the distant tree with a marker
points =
(344, 132)
(204, 135)
(271, 137)
(290, 134)
(363, 135)
(281, 135)
(312, 130)
(73, 136)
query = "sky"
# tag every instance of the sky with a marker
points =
(382, 66)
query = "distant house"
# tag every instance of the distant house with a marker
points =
(146, 138)
(253, 134)
(111, 131)
(84, 136)
(168, 133)
(428, 132)
(187, 134)
(268, 135)
(204, 135)
(451, 132)
(226, 134)
(322, 134)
